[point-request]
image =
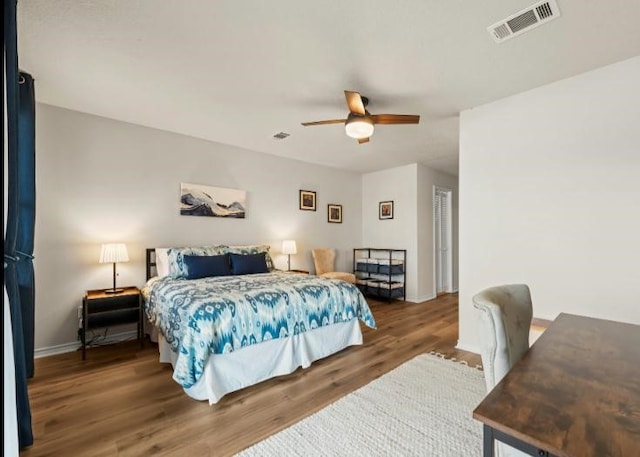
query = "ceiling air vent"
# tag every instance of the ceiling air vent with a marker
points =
(281, 135)
(525, 20)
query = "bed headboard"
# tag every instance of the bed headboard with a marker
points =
(151, 263)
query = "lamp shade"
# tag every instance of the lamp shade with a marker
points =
(359, 127)
(289, 247)
(114, 253)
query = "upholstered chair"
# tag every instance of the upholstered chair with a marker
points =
(324, 260)
(505, 317)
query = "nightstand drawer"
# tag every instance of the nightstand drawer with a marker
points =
(107, 319)
(99, 305)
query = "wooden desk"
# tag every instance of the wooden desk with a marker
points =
(575, 393)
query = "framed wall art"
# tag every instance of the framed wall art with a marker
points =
(307, 200)
(385, 210)
(334, 213)
(199, 200)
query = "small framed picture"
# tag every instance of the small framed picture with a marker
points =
(334, 213)
(386, 210)
(307, 200)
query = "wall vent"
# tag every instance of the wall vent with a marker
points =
(525, 20)
(281, 135)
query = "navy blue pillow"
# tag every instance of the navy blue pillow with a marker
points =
(202, 266)
(247, 264)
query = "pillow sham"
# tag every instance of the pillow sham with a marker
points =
(162, 262)
(247, 264)
(177, 268)
(253, 249)
(203, 266)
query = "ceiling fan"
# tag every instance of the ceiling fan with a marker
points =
(359, 123)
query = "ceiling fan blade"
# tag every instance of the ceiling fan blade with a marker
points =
(354, 102)
(363, 140)
(332, 121)
(395, 119)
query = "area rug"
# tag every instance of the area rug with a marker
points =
(422, 408)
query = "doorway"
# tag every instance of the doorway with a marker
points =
(442, 236)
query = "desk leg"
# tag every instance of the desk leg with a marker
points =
(488, 443)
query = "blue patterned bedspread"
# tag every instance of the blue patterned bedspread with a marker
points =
(217, 315)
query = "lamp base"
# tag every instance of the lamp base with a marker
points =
(113, 291)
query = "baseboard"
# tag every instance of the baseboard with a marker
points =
(467, 347)
(421, 298)
(72, 347)
(54, 350)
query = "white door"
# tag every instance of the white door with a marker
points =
(442, 240)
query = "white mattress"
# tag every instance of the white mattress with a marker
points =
(250, 365)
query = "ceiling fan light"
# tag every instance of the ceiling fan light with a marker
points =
(359, 127)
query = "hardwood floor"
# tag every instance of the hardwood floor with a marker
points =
(122, 401)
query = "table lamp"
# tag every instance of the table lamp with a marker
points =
(114, 253)
(289, 247)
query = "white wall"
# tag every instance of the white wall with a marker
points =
(411, 189)
(100, 180)
(550, 196)
(400, 186)
(427, 179)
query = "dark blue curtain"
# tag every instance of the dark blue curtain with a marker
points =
(26, 212)
(18, 241)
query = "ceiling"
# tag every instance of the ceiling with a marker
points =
(238, 72)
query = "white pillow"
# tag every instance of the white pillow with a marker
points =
(162, 262)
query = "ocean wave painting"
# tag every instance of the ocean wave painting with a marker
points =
(199, 200)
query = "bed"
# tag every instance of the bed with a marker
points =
(225, 332)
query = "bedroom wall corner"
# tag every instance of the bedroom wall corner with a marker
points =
(427, 179)
(399, 185)
(100, 180)
(410, 187)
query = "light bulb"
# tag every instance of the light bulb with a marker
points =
(359, 127)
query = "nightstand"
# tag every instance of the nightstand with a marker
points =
(100, 309)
